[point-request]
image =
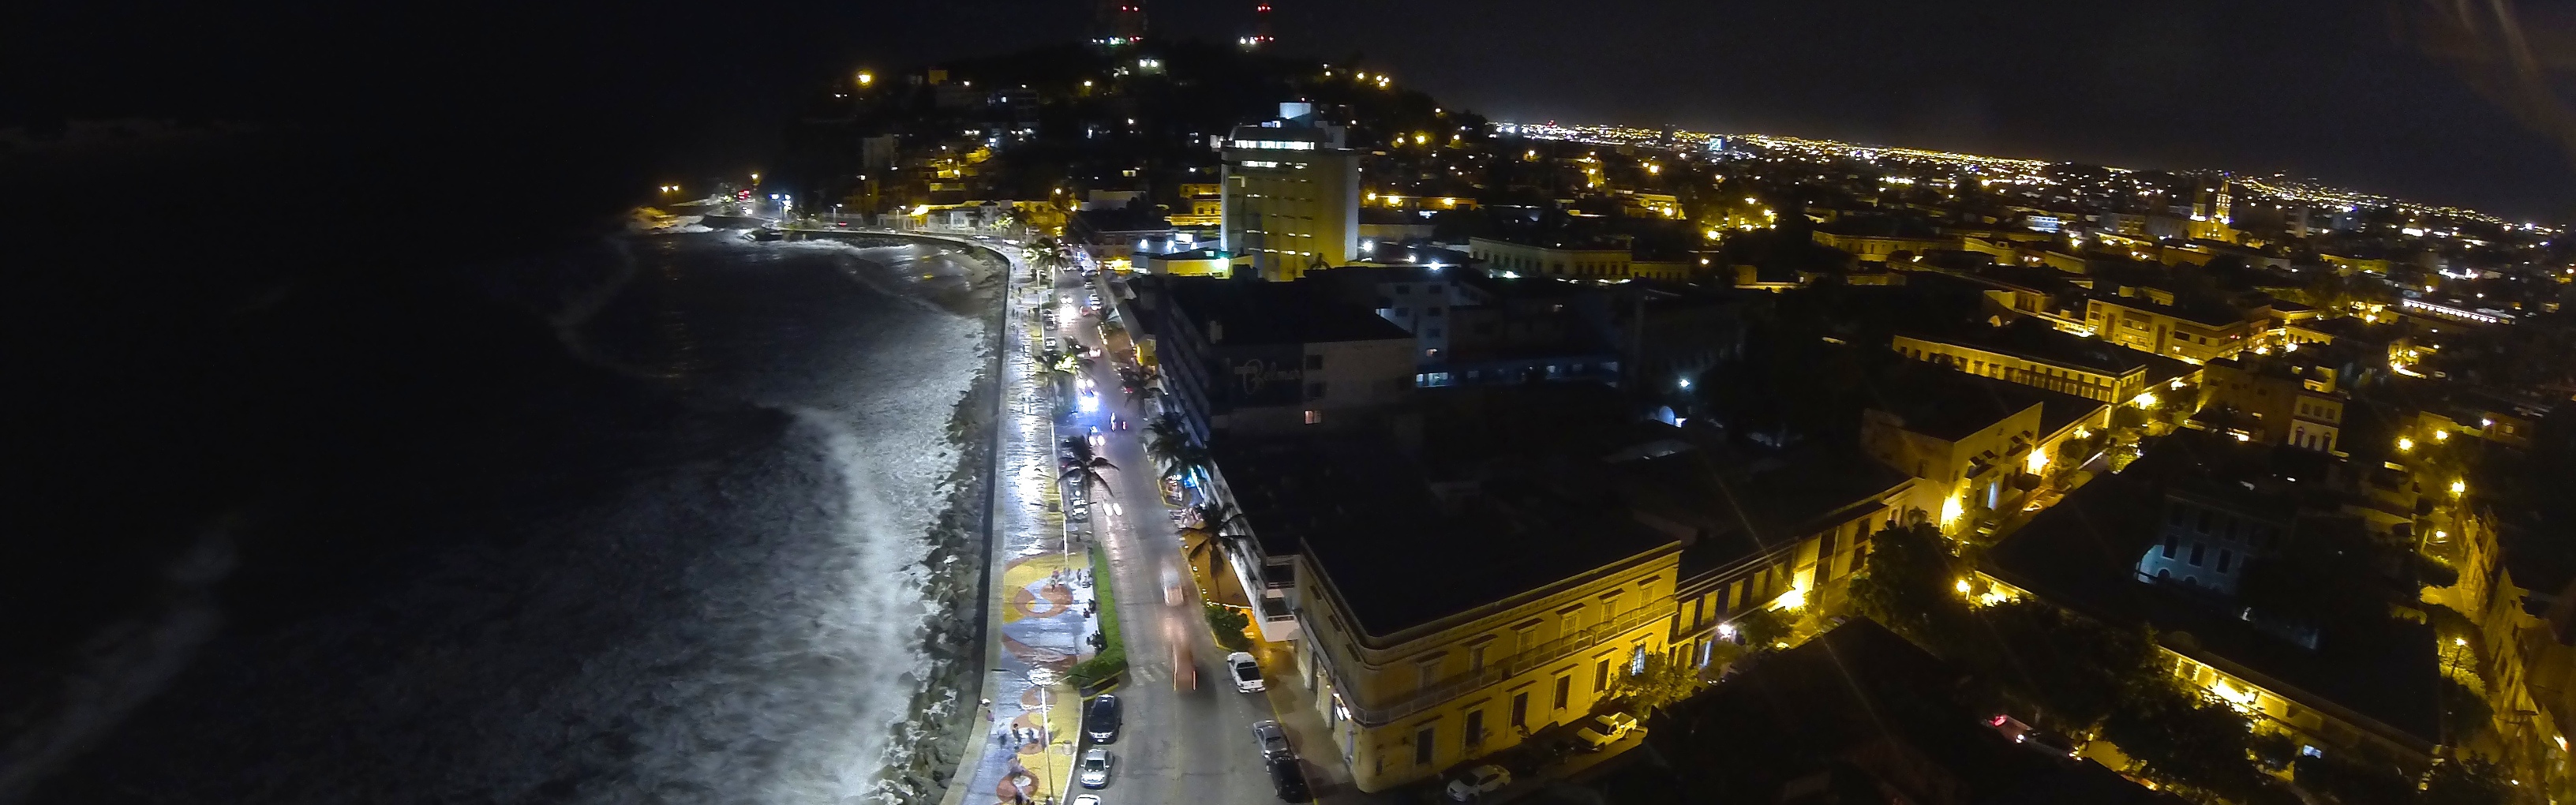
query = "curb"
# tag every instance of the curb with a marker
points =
(961, 776)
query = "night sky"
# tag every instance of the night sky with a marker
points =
(198, 327)
(2336, 89)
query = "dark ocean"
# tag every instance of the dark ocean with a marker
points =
(647, 519)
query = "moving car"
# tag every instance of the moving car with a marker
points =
(1289, 780)
(1477, 782)
(1274, 741)
(1101, 723)
(1606, 729)
(1247, 672)
(1094, 771)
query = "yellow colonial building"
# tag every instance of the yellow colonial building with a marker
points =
(1570, 258)
(2151, 321)
(1426, 645)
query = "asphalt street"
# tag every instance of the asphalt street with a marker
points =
(1183, 744)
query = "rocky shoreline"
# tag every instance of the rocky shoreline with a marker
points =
(928, 747)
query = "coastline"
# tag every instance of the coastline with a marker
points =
(957, 572)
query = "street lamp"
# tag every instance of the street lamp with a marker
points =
(1040, 679)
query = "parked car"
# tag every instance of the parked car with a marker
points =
(1288, 779)
(1086, 799)
(1247, 672)
(1478, 782)
(1274, 741)
(1102, 722)
(1606, 729)
(1094, 771)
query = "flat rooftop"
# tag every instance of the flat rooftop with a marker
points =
(1746, 508)
(2049, 345)
(1367, 519)
(2208, 314)
(1251, 311)
(1954, 405)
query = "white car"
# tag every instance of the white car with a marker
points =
(1606, 729)
(1247, 672)
(1086, 799)
(1477, 782)
(1095, 768)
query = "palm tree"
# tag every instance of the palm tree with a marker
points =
(1165, 437)
(1186, 458)
(1056, 361)
(1216, 523)
(1047, 256)
(1082, 466)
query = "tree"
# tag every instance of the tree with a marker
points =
(1909, 585)
(1204, 539)
(1657, 684)
(1168, 442)
(2354, 783)
(2076, 671)
(1229, 624)
(2187, 740)
(1762, 628)
(1188, 457)
(1083, 466)
(2466, 781)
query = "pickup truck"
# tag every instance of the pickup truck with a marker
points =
(1606, 729)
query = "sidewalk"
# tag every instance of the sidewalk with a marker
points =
(1031, 720)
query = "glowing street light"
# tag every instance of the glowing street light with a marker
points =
(2404, 444)
(2459, 488)
(866, 78)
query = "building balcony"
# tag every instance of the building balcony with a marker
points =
(1441, 690)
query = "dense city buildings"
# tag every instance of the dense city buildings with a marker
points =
(1505, 436)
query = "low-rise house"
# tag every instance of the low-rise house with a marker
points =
(2169, 542)
(1979, 445)
(2283, 402)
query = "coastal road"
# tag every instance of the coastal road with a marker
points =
(1180, 746)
